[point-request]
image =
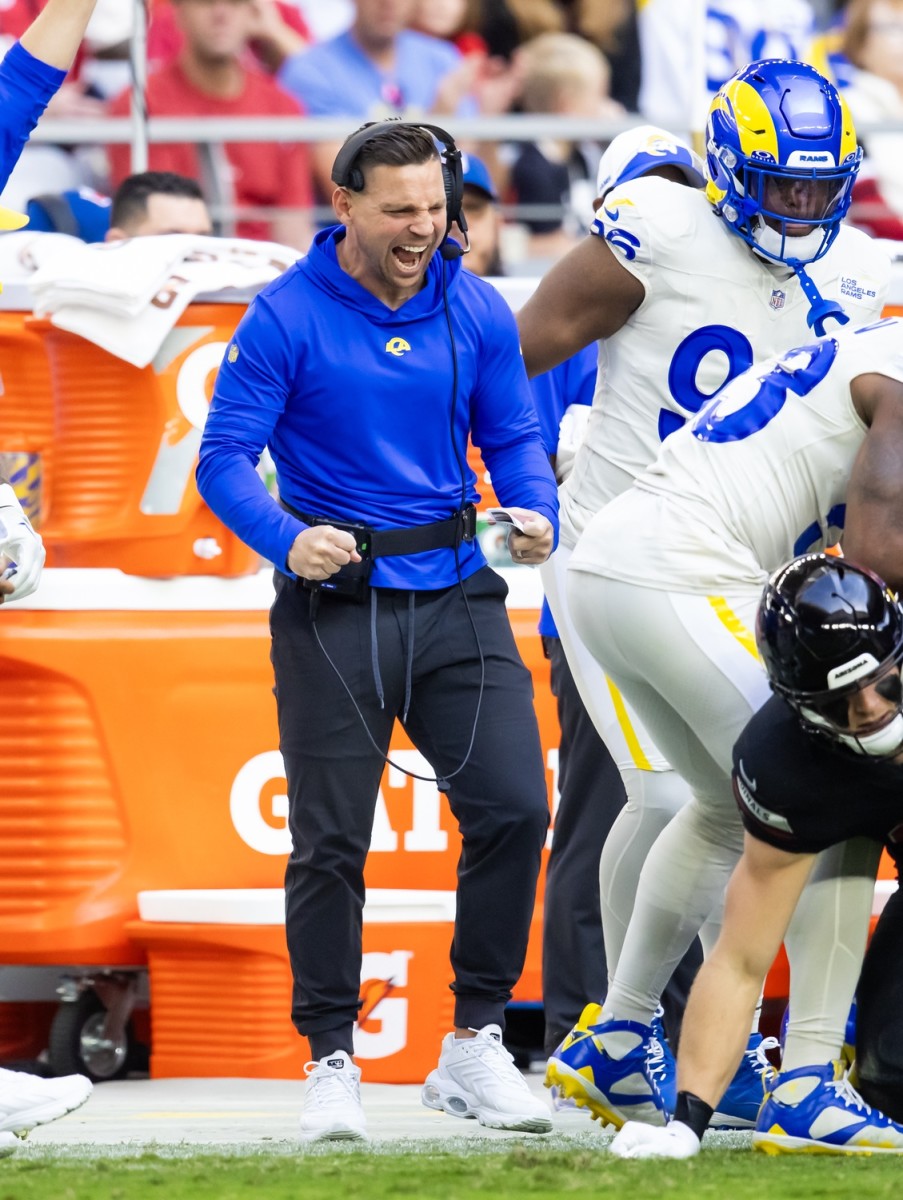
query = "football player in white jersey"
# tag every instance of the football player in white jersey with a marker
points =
(684, 290)
(664, 584)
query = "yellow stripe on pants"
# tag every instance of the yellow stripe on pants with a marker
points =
(733, 624)
(640, 761)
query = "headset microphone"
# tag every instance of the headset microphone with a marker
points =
(449, 250)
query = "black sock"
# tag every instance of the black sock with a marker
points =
(692, 1111)
(329, 1041)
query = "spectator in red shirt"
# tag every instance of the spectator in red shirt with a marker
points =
(279, 30)
(210, 77)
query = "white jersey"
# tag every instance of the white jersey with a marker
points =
(690, 48)
(758, 476)
(711, 309)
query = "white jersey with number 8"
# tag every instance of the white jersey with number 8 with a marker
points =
(711, 309)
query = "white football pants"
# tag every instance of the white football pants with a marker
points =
(655, 792)
(688, 666)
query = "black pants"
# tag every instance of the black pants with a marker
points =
(499, 799)
(879, 1014)
(591, 794)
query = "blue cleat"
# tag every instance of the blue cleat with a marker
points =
(740, 1104)
(816, 1110)
(605, 1069)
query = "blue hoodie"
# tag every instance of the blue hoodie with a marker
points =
(354, 400)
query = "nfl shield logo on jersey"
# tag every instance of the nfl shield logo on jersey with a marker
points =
(777, 298)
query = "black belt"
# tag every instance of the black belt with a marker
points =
(438, 535)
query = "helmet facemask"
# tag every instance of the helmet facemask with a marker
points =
(767, 205)
(829, 714)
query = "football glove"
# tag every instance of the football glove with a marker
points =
(636, 1140)
(20, 543)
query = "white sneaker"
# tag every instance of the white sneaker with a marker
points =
(28, 1100)
(332, 1108)
(476, 1077)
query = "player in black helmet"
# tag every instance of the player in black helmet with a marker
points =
(821, 762)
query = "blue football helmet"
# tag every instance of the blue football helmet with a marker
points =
(781, 152)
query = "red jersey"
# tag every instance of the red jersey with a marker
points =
(264, 174)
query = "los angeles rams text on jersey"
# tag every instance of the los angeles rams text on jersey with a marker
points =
(685, 342)
(764, 463)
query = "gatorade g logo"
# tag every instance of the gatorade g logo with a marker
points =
(397, 346)
(382, 1025)
(373, 992)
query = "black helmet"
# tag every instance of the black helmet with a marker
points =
(826, 628)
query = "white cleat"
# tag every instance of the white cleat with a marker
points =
(477, 1078)
(28, 1100)
(332, 1108)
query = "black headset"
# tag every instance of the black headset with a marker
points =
(346, 174)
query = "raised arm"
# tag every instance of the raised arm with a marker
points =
(55, 34)
(586, 296)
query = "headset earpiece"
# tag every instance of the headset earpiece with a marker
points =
(344, 171)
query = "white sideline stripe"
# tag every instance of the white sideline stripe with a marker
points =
(106, 589)
(266, 906)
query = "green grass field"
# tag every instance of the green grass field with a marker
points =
(430, 1173)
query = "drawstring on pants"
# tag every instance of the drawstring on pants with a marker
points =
(409, 658)
(374, 651)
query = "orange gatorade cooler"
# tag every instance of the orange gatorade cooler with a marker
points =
(118, 770)
(221, 984)
(120, 777)
(125, 449)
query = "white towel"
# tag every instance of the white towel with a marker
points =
(126, 296)
(23, 251)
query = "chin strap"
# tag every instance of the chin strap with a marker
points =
(820, 309)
